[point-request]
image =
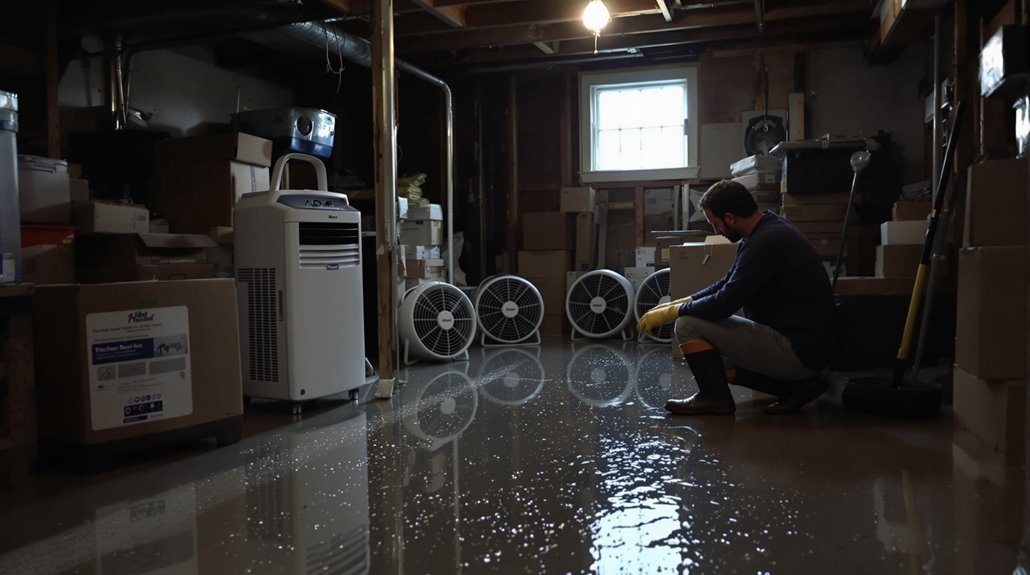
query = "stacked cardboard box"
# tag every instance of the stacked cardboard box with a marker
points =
(581, 203)
(548, 241)
(901, 241)
(420, 251)
(820, 218)
(695, 266)
(991, 335)
(761, 175)
(47, 192)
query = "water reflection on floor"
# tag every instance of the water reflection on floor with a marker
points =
(558, 459)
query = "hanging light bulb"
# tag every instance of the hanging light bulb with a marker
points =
(595, 18)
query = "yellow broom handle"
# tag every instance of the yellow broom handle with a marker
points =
(913, 311)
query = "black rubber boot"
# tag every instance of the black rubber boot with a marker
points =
(713, 397)
(792, 395)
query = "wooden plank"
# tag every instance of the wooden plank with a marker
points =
(666, 10)
(565, 131)
(513, 174)
(648, 23)
(638, 209)
(453, 16)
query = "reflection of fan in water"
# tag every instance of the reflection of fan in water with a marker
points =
(511, 377)
(599, 376)
(444, 407)
(658, 378)
(653, 292)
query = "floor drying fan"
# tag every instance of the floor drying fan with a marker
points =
(436, 322)
(653, 292)
(600, 305)
(510, 311)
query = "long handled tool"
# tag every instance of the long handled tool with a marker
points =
(896, 396)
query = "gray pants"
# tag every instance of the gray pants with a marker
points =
(746, 345)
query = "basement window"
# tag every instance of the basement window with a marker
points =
(636, 125)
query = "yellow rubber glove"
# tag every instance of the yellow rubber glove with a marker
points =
(661, 315)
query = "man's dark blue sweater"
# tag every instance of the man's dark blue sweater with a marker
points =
(779, 282)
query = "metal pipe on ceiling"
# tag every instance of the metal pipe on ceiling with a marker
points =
(359, 51)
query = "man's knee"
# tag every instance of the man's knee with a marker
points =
(689, 327)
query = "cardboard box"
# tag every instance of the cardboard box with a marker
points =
(145, 272)
(996, 204)
(645, 257)
(898, 261)
(577, 200)
(160, 227)
(552, 291)
(44, 190)
(544, 264)
(223, 235)
(547, 231)
(663, 250)
(432, 212)
(875, 286)
(994, 412)
(816, 199)
(425, 233)
(903, 233)
(419, 252)
(990, 328)
(200, 196)
(755, 181)
(97, 217)
(814, 212)
(910, 211)
(172, 155)
(585, 256)
(695, 266)
(554, 324)
(223, 259)
(832, 227)
(18, 406)
(142, 249)
(48, 264)
(179, 346)
(429, 269)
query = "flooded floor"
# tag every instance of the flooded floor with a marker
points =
(528, 460)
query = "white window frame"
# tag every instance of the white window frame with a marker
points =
(589, 81)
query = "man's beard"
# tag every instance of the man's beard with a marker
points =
(732, 235)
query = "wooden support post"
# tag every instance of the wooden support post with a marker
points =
(385, 129)
(638, 212)
(513, 174)
(52, 79)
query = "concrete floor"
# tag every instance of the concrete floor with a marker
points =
(528, 460)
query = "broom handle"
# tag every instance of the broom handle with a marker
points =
(901, 364)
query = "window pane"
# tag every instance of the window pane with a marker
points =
(640, 126)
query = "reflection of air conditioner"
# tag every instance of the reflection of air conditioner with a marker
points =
(298, 272)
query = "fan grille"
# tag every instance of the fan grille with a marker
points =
(650, 294)
(492, 299)
(615, 296)
(437, 299)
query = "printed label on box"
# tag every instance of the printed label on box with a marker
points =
(139, 366)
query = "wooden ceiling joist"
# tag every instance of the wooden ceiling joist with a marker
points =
(454, 16)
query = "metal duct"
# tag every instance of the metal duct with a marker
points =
(310, 35)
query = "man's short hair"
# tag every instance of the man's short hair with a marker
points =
(728, 197)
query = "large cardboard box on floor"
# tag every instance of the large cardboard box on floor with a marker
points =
(554, 324)
(995, 212)
(552, 291)
(875, 286)
(548, 231)
(577, 200)
(199, 196)
(137, 359)
(898, 261)
(146, 272)
(98, 217)
(695, 266)
(994, 411)
(544, 264)
(990, 328)
(48, 254)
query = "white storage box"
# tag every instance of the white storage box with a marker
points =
(432, 212)
(903, 233)
(44, 191)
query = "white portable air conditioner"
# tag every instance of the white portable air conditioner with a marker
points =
(436, 322)
(654, 291)
(600, 305)
(510, 311)
(600, 376)
(298, 274)
(511, 377)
